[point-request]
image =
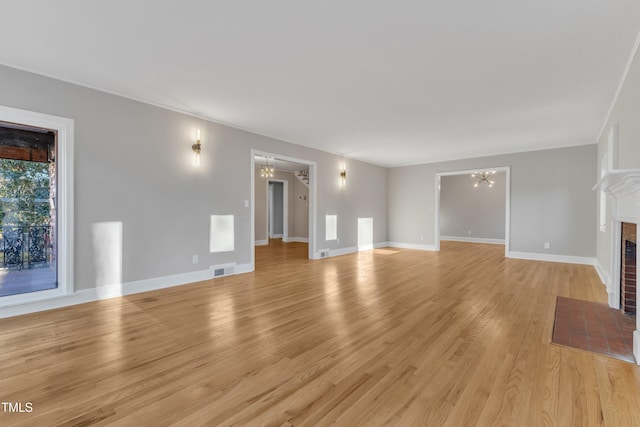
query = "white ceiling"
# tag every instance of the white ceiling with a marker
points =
(390, 83)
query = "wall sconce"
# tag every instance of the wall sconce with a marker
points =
(197, 147)
(343, 174)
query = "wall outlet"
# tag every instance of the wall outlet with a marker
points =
(422, 237)
(469, 232)
(194, 259)
(338, 240)
(246, 203)
(547, 245)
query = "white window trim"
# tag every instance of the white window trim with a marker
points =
(64, 128)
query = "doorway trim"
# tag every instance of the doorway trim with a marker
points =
(285, 208)
(312, 200)
(507, 217)
(64, 210)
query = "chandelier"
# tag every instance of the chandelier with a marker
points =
(266, 171)
(483, 177)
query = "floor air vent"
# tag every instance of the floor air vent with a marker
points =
(222, 271)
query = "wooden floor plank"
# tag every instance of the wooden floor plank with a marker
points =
(383, 337)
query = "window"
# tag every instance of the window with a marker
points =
(45, 228)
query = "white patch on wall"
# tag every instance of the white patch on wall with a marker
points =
(331, 227)
(107, 248)
(365, 234)
(221, 234)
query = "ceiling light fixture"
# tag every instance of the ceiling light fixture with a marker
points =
(483, 177)
(266, 171)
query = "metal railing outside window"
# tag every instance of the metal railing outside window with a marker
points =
(25, 247)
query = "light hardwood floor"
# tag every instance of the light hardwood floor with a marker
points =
(394, 337)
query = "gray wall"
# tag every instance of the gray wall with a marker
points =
(299, 207)
(551, 199)
(472, 212)
(134, 165)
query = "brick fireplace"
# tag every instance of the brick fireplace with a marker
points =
(628, 268)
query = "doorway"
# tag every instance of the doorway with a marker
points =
(476, 178)
(283, 200)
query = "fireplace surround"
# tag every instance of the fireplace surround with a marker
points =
(622, 187)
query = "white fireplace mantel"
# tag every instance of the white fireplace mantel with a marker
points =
(619, 182)
(624, 186)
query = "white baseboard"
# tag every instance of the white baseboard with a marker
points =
(350, 250)
(343, 251)
(336, 252)
(286, 240)
(365, 248)
(276, 236)
(411, 246)
(373, 246)
(473, 240)
(242, 268)
(296, 239)
(636, 345)
(604, 275)
(116, 290)
(568, 259)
